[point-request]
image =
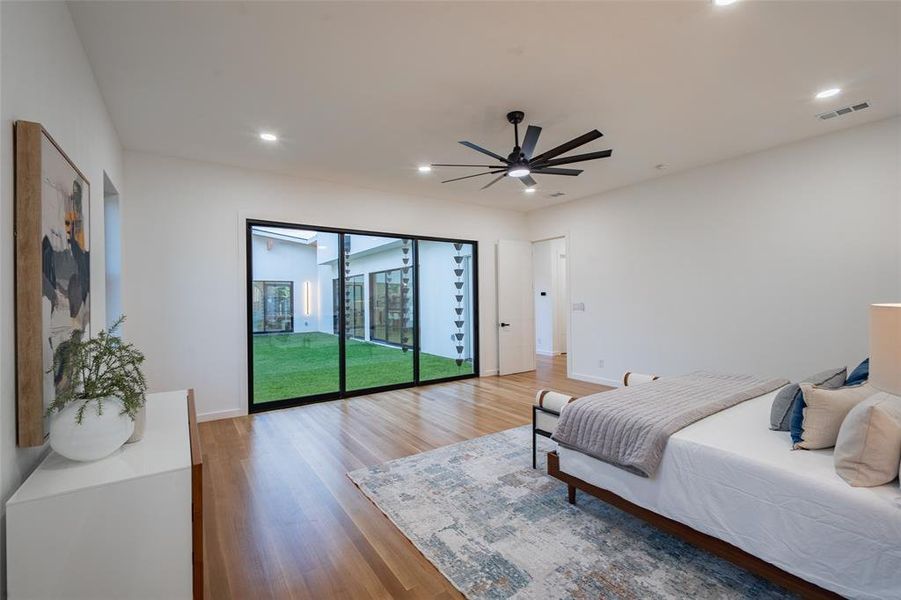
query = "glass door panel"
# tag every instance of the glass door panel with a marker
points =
(446, 307)
(385, 355)
(294, 345)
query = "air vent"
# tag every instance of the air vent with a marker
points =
(557, 194)
(845, 110)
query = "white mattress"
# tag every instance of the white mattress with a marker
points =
(731, 477)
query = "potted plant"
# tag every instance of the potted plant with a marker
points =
(100, 394)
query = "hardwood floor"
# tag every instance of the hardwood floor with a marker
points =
(282, 520)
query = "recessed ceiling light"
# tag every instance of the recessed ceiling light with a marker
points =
(268, 137)
(424, 168)
(823, 94)
(530, 190)
(724, 2)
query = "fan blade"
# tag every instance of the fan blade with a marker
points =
(543, 171)
(493, 181)
(572, 159)
(571, 144)
(483, 151)
(528, 181)
(475, 166)
(468, 176)
(528, 142)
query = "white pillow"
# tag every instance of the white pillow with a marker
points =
(825, 411)
(868, 449)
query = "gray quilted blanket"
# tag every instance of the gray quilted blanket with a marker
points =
(629, 427)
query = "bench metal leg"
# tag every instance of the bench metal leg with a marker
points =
(534, 440)
(571, 489)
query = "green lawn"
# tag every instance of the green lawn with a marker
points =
(292, 365)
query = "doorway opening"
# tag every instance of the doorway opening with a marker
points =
(550, 296)
(112, 249)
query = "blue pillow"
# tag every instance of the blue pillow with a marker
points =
(860, 374)
(795, 424)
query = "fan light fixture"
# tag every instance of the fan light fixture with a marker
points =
(828, 93)
(518, 172)
(530, 190)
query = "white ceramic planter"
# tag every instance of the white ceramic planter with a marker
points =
(140, 422)
(96, 436)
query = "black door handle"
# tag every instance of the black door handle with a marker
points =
(505, 324)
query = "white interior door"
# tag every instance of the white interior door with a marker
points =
(515, 308)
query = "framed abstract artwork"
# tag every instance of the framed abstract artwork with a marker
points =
(53, 297)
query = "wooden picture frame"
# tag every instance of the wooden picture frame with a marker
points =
(52, 253)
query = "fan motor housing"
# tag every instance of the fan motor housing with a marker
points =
(516, 116)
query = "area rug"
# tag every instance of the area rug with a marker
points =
(496, 528)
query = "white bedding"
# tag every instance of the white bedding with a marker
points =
(731, 477)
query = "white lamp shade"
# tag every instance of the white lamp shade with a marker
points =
(885, 347)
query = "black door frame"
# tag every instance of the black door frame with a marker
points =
(342, 392)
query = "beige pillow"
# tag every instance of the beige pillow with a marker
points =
(825, 411)
(868, 449)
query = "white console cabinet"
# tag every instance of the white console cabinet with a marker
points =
(127, 526)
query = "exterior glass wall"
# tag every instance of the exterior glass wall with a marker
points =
(333, 313)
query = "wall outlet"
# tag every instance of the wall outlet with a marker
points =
(579, 306)
(601, 363)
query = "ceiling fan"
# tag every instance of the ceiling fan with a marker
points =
(522, 165)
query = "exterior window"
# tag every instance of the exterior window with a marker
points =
(387, 314)
(355, 326)
(273, 306)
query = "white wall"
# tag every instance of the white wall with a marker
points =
(437, 303)
(763, 264)
(280, 260)
(46, 78)
(549, 277)
(561, 302)
(183, 260)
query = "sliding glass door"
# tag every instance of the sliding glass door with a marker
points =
(446, 310)
(293, 349)
(385, 357)
(335, 313)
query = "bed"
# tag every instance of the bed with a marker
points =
(783, 514)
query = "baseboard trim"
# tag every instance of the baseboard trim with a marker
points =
(598, 380)
(548, 353)
(220, 414)
(488, 373)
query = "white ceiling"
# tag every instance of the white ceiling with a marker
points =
(362, 93)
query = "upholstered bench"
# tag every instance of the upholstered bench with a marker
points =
(545, 413)
(549, 404)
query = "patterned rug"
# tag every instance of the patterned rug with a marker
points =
(498, 529)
